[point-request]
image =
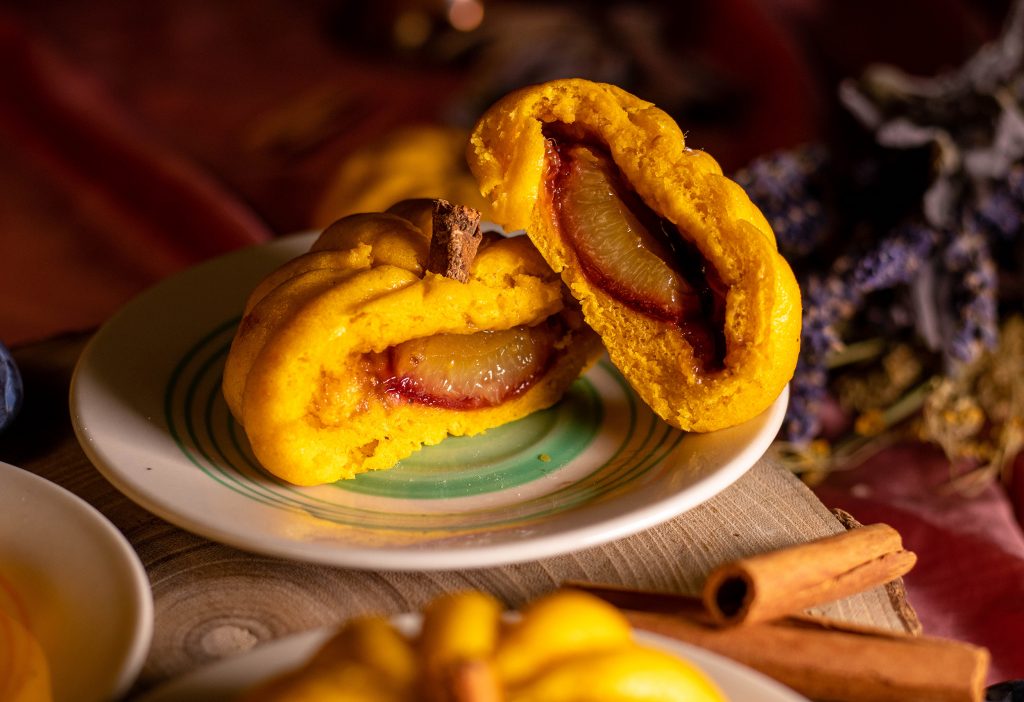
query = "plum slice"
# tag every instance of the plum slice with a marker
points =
(470, 371)
(613, 245)
(631, 253)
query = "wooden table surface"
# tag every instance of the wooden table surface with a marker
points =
(213, 601)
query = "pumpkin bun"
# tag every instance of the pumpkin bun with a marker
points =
(566, 646)
(354, 355)
(673, 265)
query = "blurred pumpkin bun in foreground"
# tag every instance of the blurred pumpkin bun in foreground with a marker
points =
(566, 646)
(24, 668)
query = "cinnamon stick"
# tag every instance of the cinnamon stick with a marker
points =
(454, 241)
(771, 585)
(819, 658)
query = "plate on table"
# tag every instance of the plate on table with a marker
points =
(226, 679)
(70, 576)
(148, 410)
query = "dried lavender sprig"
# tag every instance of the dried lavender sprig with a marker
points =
(971, 117)
(998, 205)
(973, 120)
(887, 92)
(787, 187)
(806, 396)
(968, 258)
(826, 304)
(894, 261)
(1015, 179)
(996, 212)
(831, 301)
(834, 299)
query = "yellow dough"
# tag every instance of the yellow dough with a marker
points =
(414, 162)
(565, 647)
(304, 373)
(24, 671)
(515, 153)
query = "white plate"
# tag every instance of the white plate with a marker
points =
(221, 681)
(147, 407)
(77, 582)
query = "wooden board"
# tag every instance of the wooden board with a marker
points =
(213, 601)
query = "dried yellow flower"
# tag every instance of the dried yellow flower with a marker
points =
(979, 414)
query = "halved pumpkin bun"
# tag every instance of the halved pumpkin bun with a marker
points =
(673, 265)
(354, 355)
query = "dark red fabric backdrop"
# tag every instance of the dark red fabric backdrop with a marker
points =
(139, 138)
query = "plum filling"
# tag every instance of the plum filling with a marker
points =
(640, 259)
(470, 371)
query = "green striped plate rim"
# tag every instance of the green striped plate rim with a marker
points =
(587, 448)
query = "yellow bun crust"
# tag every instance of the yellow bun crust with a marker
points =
(24, 670)
(566, 647)
(508, 155)
(412, 162)
(298, 378)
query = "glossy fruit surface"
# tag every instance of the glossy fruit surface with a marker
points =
(470, 370)
(616, 249)
(635, 256)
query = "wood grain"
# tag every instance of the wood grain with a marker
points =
(213, 601)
